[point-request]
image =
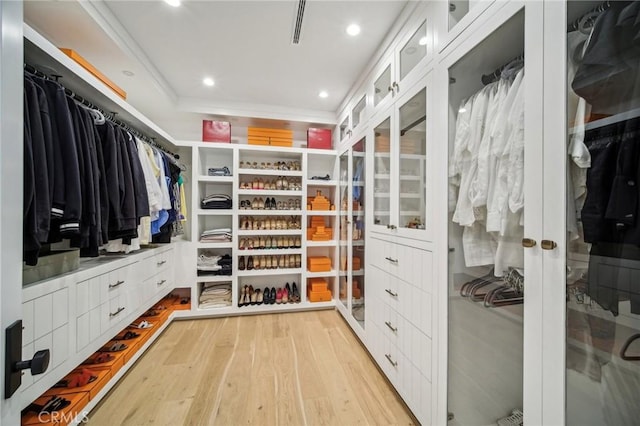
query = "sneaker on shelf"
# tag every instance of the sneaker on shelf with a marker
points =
(514, 419)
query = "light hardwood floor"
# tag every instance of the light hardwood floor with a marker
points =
(304, 368)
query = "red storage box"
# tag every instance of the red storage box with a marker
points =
(216, 131)
(319, 138)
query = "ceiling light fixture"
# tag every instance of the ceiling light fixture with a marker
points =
(128, 73)
(323, 94)
(353, 29)
(423, 41)
(208, 81)
(174, 3)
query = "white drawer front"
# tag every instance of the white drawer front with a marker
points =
(415, 305)
(415, 266)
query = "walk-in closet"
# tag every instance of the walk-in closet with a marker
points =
(316, 212)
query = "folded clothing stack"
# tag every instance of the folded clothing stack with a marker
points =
(216, 235)
(215, 295)
(216, 201)
(214, 265)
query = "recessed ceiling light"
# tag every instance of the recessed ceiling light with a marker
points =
(423, 41)
(353, 29)
(208, 81)
(128, 73)
(174, 3)
(323, 94)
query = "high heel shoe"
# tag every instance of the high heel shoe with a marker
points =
(241, 266)
(266, 296)
(260, 203)
(268, 263)
(253, 297)
(298, 260)
(272, 295)
(287, 289)
(259, 297)
(262, 243)
(285, 296)
(247, 295)
(250, 263)
(241, 246)
(279, 296)
(241, 298)
(295, 293)
(298, 243)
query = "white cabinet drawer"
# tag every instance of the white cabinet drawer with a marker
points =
(158, 263)
(414, 266)
(415, 305)
(113, 311)
(409, 340)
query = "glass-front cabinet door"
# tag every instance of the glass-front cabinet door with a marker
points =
(357, 263)
(602, 154)
(352, 227)
(343, 295)
(400, 190)
(412, 131)
(382, 174)
(494, 220)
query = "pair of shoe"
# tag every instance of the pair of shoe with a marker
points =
(270, 204)
(326, 177)
(269, 295)
(249, 296)
(219, 171)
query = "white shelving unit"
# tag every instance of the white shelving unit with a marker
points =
(312, 163)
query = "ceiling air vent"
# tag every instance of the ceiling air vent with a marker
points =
(297, 29)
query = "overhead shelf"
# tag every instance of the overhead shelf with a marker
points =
(44, 56)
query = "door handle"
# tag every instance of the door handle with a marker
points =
(13, 363)
(548, 244)
(161, 282)
(528, 242)
(161, 263)
(391, 260)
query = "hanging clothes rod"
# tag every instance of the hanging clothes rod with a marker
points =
(588, 17)
(490, 78)
(111, 116)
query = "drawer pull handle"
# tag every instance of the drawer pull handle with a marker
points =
(391, 226)
(116, 313)
(391, 259)
(392, 328)
(118, 283)
(395, 364)
(161, 282)
(162, 262)
(391, 292)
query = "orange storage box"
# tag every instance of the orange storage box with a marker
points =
(319, 296)
(263, 136)
(318, 264)
(93, 70)
(318, 284)
(102, 378)
(355, 262)
(113, 366)
(62, 417)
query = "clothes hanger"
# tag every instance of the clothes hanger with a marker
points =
(623, 350)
